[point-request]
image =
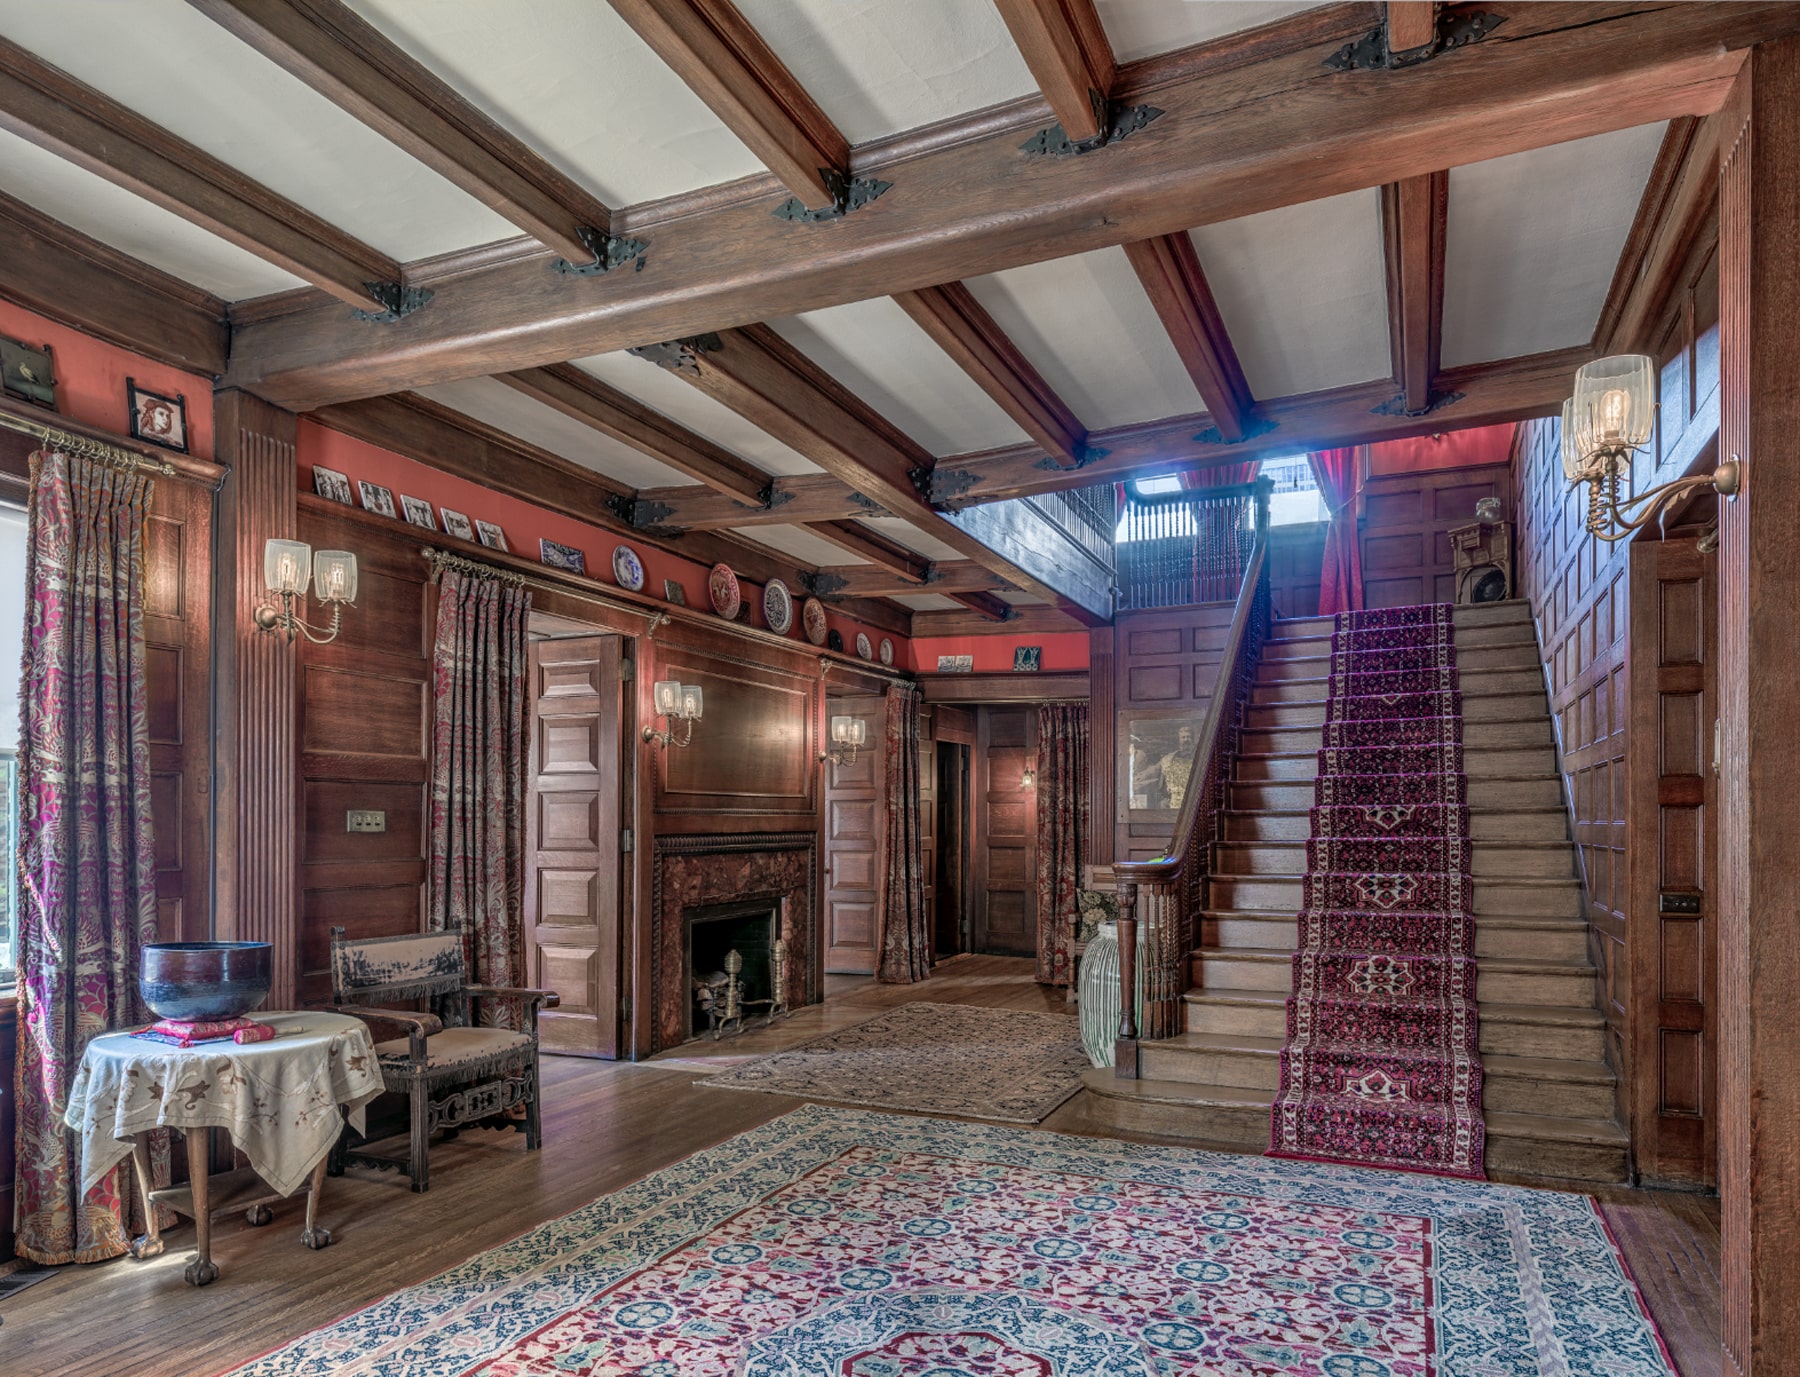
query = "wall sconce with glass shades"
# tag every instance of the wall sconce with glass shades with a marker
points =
(288, 567)
(680, 706)
(848, 736)
(1611, 416)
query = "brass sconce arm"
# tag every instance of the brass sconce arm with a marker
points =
(282, 618)
(1605, 509)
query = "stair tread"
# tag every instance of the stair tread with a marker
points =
(1485, 811)
(1530, 965)
(1485, 843)
(1489, 920)
(1548, 1015)
(1522, 1068)
(1291, 875)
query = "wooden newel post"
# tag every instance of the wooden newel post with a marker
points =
(1125, 1058)
(1264, 486)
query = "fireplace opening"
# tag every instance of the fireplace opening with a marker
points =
(749, 928)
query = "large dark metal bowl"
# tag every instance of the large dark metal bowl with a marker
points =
(204, 980)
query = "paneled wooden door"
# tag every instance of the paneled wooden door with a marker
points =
(855, 816)
(573, 811)
(1004, 920)
(1670, 840)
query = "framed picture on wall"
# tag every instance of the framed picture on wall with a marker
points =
(1027, 659)
(1158, 758)
(27, 373)
(456, 524)
(674, 592)
(331, 485)
(956, 664)
(417, 512)
(160, 419)
(491, 535)
(562, 556)
(376, 498)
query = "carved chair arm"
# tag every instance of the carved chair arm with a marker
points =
(418, 1026)
(550, 999)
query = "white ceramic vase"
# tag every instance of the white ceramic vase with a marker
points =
(1099, 986)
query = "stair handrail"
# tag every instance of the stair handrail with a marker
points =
(1169, 887)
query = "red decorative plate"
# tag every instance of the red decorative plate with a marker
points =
(812, 617)
(722, 588)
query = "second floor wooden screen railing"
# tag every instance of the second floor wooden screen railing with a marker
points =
(1166, 894)
(1191, 546)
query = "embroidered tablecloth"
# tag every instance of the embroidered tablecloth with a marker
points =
(278, 1099)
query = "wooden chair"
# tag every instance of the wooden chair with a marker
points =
(455, 1073)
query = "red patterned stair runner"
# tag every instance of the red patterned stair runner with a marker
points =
(1381, 1066)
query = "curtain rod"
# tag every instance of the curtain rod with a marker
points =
(83, 445)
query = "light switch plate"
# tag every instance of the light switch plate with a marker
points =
(365, 820)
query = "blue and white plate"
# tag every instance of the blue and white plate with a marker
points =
(628, 569)
(778, 607)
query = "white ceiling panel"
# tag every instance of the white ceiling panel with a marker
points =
(1138, 29)
(174, 66)
(1086, 324)
(660, 389)
(873, 348)
(574, 81)
(133, 225)
(1303, 293)
(909, 535)
(802, 545)
(926, 602)
(1533, 240)
(877, 66)
(498, 405)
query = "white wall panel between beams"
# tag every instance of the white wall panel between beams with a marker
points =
(803, 545)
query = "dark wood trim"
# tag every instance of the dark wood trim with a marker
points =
(1673, 215)
(943, 576)
(1411, 24)
(857, 539)
(1248, 125)
(791, 501)
(1065, 47)
(1024, 621)
(1057, 687)
(346, 59)
(69, 118)
(582, 397)
(59, 272)
(725, 62)
(1414, 221)
(185, 466)
(958, 324)
(1504, 390)
(1169, 271)
(995, 609)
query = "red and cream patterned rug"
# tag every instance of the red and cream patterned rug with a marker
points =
(1381, 1066)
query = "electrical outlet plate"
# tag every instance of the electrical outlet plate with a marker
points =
(365, 820)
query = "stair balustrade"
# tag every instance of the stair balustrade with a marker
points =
(1191, 546)
(1166, 893)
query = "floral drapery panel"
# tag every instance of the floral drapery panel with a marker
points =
(1340, 580)
(478, 755)
(86, 856)
(905, 932)
(1062, 833)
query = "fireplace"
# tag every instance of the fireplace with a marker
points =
(750, 929)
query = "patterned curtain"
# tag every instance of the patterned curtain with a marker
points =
(478, 754)
(1340, 580)
(905, 935)
(1062, 832)
(86, 855)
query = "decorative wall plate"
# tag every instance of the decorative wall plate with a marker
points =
(862, 645)
(628, 569)
(722, 588)
(886, 651)
(812, 617)
(778, 607)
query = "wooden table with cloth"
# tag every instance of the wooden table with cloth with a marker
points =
(282, 1102)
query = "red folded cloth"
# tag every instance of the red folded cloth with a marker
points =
(183, 1033)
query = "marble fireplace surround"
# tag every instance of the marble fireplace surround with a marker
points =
(690, 872)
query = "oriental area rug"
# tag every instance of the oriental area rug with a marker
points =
(841, 1243)
(1010, 1065)
(1381, 1066)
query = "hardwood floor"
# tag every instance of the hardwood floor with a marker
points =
(605, 1124)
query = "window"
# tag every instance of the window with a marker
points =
(1296, 500)
(12, 653)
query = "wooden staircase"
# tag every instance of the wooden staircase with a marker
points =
(1548, 1094)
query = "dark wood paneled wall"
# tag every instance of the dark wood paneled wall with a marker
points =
(1296, 555)
(1406, 557)
(363, 741)
(1005, 890)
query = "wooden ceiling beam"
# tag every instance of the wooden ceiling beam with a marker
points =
(994, 609)
(1250, 123)
(1065, 46)
(1414, 221)
(346, 59)
(795, 501)
(965, 622)
(772, 384)
(444, 439)
(61, 273)
(895, 559)
(46, 106)
(1410, 24)
(1169, 271)
(725, 62)
(958, 324)
(582, 397)
(1470, 395)
(944, 576)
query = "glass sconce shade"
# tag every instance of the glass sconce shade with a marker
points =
(287, 566)
(1613, 410)
(676, 699)
(1573, 467)
(849, 731)
(693, 702)
(334, 576)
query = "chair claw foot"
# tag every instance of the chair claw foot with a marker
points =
(258, 1215)
(143, 1246)
(316, 1238)
(201, 1272)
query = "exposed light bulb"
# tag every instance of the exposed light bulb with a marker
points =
(1615, 411)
